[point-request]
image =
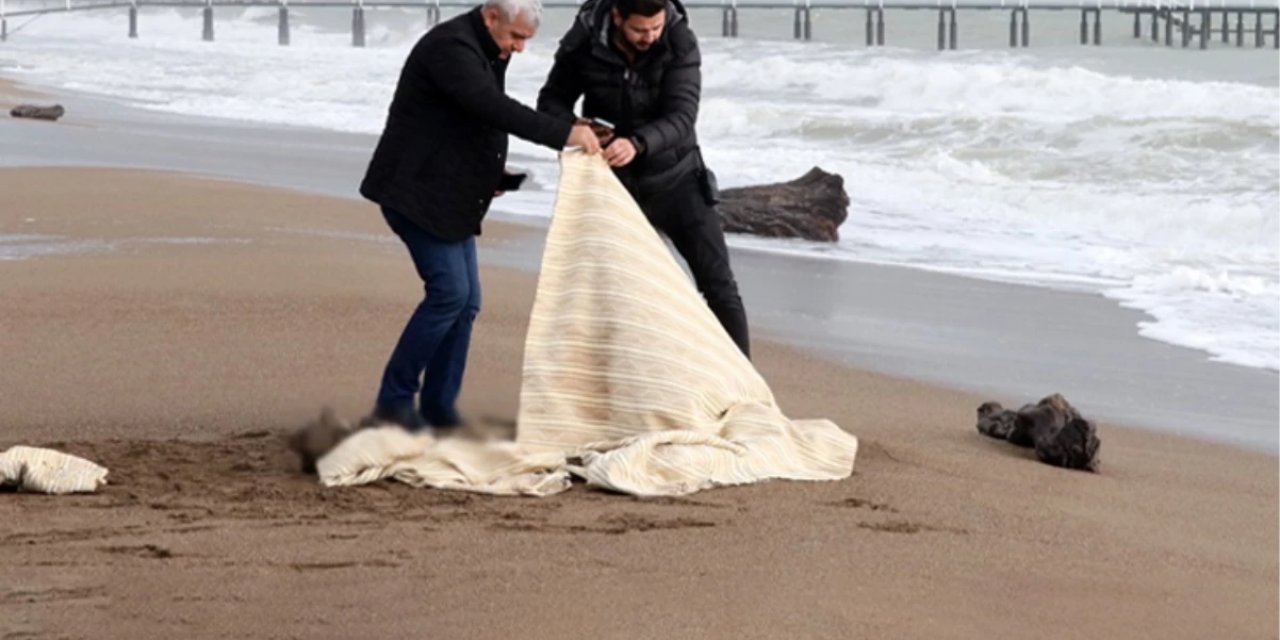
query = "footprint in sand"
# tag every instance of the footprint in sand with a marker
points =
(904, 526)
(611, 525)
(890, 526)
(32, 596)
(141, 551)
(859, 503)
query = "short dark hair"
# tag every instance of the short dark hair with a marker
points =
(646, 8)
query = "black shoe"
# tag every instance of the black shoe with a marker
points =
(406, 417)
(445, 424)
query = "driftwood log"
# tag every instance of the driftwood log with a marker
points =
(1060, 435)
(811, 207)
(52, 112)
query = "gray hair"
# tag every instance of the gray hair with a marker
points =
(511, 9)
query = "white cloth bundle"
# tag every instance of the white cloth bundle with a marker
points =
(626, 371)
(49, 471)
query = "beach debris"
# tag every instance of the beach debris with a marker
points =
(811, 207)
(1058, 433)
(48, 471)
(995, 421)
(51, 112)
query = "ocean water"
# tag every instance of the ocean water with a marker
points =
(1146, 174)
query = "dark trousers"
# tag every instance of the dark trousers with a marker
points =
(679, 210)
(431, 355)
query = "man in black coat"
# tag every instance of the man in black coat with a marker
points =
(636, 65)
(434, 173)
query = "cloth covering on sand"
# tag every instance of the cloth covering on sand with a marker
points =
(629, 381)
(49, 471)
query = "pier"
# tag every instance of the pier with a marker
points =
(1239, 23)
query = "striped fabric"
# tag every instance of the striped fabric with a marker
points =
(504, 468)
(629, 380)
(49, 471)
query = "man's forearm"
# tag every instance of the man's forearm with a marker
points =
(679, 109)
(560, 92)
(469, 84)
(668, 130)
(555, 107)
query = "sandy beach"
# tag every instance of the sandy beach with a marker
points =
(185, 325)
(202, 320)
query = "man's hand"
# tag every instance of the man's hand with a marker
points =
(620, 153)
(583, 137)
(603, 134)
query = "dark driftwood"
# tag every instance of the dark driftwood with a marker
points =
(811, 207)
(1059, 434)
(51, 113)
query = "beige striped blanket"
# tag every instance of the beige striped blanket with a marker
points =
(629, 380)
(49, 471)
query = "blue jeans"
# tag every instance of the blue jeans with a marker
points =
(433, 346)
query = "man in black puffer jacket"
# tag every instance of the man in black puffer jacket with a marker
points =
(636, 65)
(435, 171)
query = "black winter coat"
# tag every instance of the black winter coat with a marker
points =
(442, 152)
(654, 100)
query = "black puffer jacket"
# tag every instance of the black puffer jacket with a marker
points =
(655, 100)
(445, 144)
